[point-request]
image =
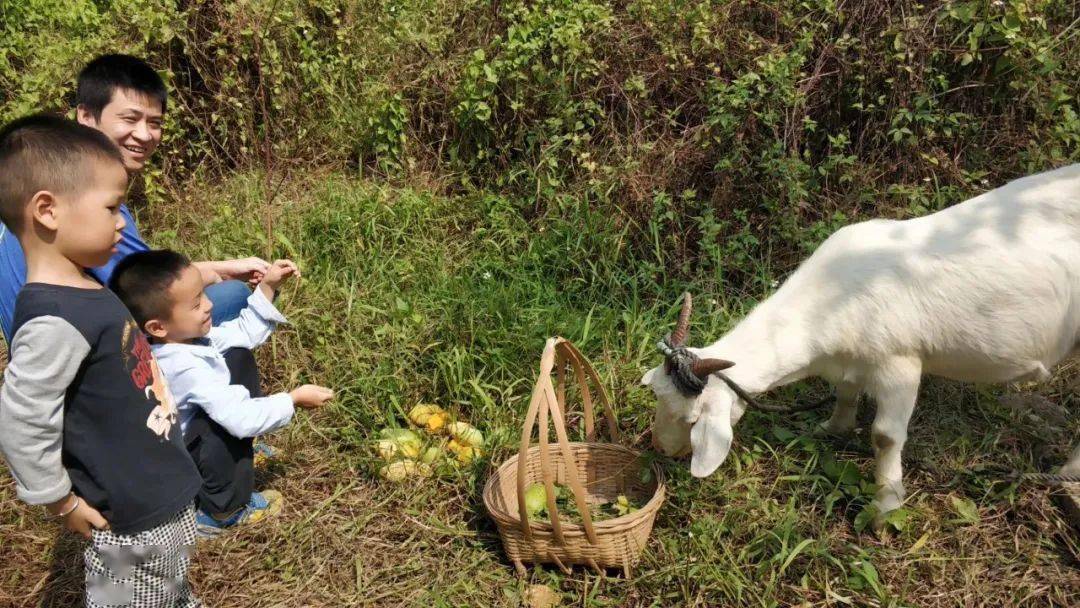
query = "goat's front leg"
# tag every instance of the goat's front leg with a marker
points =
(842, 422)
(895, 387)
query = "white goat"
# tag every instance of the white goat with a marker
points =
(985, 291)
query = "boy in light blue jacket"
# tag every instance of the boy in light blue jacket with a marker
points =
(164, 292)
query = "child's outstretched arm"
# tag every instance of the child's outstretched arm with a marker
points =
(259, 318)
(249, 269)
(233, 407)
(46, 353)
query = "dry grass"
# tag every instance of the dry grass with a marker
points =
(420, 322)
(347, 540)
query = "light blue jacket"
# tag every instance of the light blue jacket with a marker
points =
(199, 379)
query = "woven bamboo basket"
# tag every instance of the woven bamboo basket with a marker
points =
(595, 472)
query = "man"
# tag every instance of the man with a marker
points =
(124, 98)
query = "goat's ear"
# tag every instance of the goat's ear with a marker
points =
(710, 438)
(646, 380)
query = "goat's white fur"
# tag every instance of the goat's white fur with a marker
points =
(985, 291)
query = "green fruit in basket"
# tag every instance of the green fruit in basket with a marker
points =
(623, 506)
(535, 499)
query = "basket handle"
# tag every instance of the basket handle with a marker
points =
(546, 399)
(582, 367)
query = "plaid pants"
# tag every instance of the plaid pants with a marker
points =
(144, 570)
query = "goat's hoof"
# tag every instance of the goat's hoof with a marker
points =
(882, 506)
(880, 526)
(882, 531)
(822, 430)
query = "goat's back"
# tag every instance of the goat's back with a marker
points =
(986, 290)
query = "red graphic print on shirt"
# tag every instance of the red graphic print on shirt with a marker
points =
(147, 377)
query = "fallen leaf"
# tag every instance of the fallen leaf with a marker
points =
(541, 596)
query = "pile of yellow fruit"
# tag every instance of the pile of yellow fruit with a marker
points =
(401, 449)
(410, 456)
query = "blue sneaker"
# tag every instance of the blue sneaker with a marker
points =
(261, 505)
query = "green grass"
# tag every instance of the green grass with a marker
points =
(408, 297)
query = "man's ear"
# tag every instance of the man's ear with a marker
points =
(710, 438)
(43, 209)
(647, 379)
(85, 116)
(155, 328)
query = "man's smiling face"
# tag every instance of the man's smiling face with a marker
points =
(133, 121)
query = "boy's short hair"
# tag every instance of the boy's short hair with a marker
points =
(101, 77)
(142, 281)
(45, 152)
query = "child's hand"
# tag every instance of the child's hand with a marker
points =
(278, 272)
(309, 396)
(243, 269)
(83, 519)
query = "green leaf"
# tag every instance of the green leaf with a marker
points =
(782, 434)
(830, 501)
(482, 111)
(845, 473)
(646, 475)
(795, 553)
(963, 12)
(865, 517)
(870, 575)
(966, 509)
(287, 244)
(898, 519)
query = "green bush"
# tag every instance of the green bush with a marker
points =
(760, 127)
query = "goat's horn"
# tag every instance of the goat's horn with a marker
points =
(703, 367)
(682, 328)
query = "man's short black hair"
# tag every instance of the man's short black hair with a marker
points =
(43, 152)
(103, 76)
(142, 281)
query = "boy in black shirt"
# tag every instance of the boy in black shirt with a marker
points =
(86, 418)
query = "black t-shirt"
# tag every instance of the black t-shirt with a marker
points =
(122, 446)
